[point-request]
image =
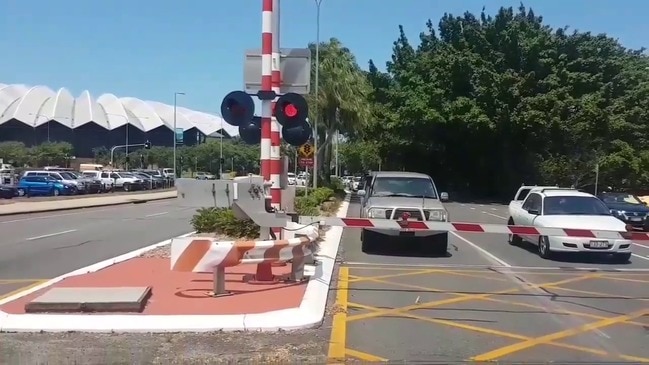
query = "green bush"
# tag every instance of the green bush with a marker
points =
(337, 184)
(310, 204)
(222, 221)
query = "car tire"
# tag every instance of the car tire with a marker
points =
(513, 240)
(56, 192)
(544, 248)
(22, 192)
(622, 258)
(126, 187)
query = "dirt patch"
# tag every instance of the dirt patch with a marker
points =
(305, 346)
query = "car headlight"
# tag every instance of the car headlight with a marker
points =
(436, 215)
(376, 213)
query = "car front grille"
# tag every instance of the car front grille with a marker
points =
(635, 214)
(415, 214)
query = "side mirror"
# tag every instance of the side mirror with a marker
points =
(443, 196)
(534, 211)
(361, 193)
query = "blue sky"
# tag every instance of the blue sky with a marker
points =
(150, 49)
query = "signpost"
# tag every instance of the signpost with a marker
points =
(180, 135)
(306, 153)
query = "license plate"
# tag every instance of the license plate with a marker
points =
(406, 232)
(636, 219)
(598, 244)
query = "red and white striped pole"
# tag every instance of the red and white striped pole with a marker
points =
(275, 138)
(264, 271)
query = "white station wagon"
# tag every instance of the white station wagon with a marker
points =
(554, 207)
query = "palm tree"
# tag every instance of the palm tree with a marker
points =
(343, 103)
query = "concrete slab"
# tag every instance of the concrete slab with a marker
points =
(116, 299)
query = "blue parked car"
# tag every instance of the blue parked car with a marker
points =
(43, 185)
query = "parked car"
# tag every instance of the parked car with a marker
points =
(292, 179)
(126, 181)
(43, 185)
(160, 180)
(564, 208)
(79, 186)
(92, 185)
(204, 176)
(106, 181)
(149, 183)
(628, 208)
(7, 192)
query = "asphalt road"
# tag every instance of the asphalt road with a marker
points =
(488, 301)
(35, 247)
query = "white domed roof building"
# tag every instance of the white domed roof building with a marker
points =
(36, 114)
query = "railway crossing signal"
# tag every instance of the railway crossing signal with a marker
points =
(291, 111)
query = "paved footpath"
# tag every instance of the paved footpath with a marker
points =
(488, 301)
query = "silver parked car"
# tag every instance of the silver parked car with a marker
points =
(397, 195)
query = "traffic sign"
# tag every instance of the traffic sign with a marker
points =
(306, 150)
(305, 161)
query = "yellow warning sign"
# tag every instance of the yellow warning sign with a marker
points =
(306, 150)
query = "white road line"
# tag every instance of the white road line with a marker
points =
(50, 235)
(495, 215)
(640, 256)
(484, 252)
(494, 209)
(463, 205)
(496, 267)
(156, 214)
(472, 208)
(482, 205)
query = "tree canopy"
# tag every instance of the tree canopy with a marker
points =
(484, 103)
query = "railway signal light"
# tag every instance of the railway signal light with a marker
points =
(297, 135)
(291, 112)
(237, 108)
(250, 132)
(147, 145)
(291, 109)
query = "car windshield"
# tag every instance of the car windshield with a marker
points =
(574, 205)
(620, 198)
(290, 174)
(67, 176)
(126, 174)
(403, 186)
(89, 174)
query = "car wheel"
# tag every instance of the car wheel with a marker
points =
(22, 192)
(544, 248)
(513, 240)
(56, 192)
(622, 258)
(126, 187)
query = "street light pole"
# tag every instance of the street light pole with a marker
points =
(317, 91)
(221, 152)
(174, 131)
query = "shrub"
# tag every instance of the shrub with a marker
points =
(336, 184)
(310, 204)
(222, 221)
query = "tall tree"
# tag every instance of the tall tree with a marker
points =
(485, 103)
(343, 103)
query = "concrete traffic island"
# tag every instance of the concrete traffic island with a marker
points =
(90, 299)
